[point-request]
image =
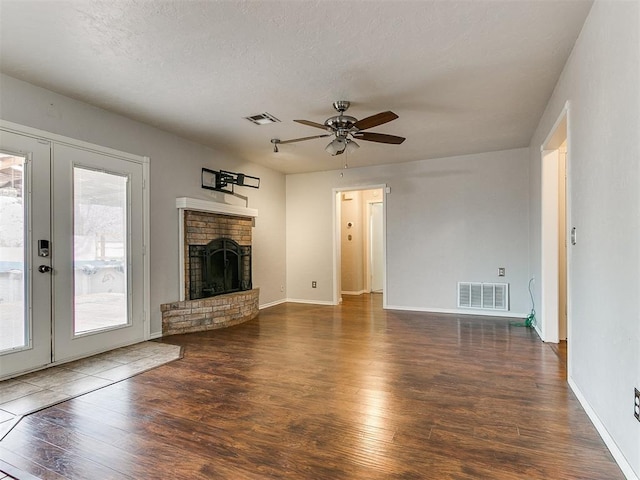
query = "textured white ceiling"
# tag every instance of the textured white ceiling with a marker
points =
(464, 76)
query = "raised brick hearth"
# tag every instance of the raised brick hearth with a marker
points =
(209, 313)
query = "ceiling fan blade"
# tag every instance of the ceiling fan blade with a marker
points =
(312, 124)
(378, 137)
(375, 120)
(282, 142)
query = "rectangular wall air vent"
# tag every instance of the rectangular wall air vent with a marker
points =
(262, 119)
(484, 296)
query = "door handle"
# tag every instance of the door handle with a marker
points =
(44, 268)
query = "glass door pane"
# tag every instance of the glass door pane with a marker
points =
(99, 250)
(13, 288)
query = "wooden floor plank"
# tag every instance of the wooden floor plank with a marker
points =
(320, 392)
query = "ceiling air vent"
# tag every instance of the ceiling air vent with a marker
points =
(262, 119)
(485, 296)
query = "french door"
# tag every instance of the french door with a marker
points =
(71, 252)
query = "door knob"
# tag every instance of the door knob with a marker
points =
(44, 268)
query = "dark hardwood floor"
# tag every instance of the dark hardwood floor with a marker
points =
(560, 350)
(317, 392)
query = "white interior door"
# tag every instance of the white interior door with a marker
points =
(377, 252)
(25, 293)
(98, 252)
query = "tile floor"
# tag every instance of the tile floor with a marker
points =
(9, 472)
(28, 393)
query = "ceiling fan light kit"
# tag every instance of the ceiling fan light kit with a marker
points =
(345, 129)
(339, 145)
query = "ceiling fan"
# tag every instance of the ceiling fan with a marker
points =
(346, 130)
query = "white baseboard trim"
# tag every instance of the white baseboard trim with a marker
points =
(155, 335)
(455, 311)
(618, 456)
(272, 304)
(310, 302)
(347, 292)
(538, 331)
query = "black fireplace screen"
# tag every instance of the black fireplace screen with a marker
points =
(221, 266)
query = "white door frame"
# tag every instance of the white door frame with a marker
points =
(60, 139)
(369, 262)
(337, 235)
(549, 330)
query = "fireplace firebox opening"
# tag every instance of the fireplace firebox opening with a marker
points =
(221, 266)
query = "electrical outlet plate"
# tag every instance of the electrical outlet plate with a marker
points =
(636, 404)
(314, 284)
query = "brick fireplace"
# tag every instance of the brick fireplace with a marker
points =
(202, 222)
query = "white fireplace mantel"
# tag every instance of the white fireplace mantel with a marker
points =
(186, 203)
(194, 204)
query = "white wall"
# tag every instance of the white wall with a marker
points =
(601, 81)
(448, 220)
(174, 172)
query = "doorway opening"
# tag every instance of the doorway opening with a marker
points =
(359, 243)
(554, 253)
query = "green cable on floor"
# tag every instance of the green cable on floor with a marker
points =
(530, 321)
